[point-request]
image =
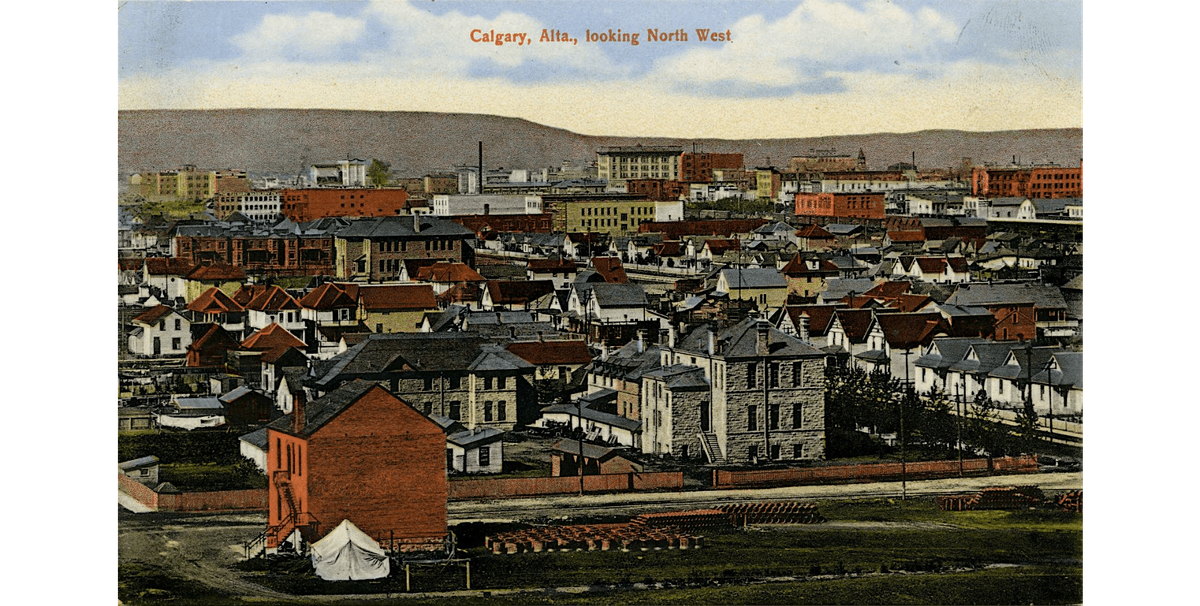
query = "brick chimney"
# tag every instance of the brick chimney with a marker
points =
(417, 223)
(298, 420)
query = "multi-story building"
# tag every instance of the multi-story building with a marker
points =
(839, 205)
(259, 205)
(612, 214)
(657, 189)
(312, 204)
(1031, 182)
(460, 375)
(339, 173)
(186, 183)
(231, 181)
(821, 160)
(451, 205)
(745, 394)
(697, 167)
(374, 250)
(619, 164)
(285, 249)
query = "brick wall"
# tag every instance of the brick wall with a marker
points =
(499, 488)
(871, 472)
(254, 499)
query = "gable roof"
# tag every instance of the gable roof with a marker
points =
(814, 232)
(888, 290)
(384, 353)
(327, 296)
(214, 301)
(266, 298)
(610, 269)
(166, 266)
(216, 273)
(754, 277)
(741, 341)
(718, 247)
(543, 353)
(1007, 293)
(620, 294)
(154, 314)
(273, 339)
(511, 292)
(322, 410)
(819, 317)
(445, 271)
(909, 330)
(397, 297)
(856, 323)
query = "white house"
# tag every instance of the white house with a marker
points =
(480, 450)
(489, 204)
(160, 331)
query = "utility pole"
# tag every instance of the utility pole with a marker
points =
(903, 460)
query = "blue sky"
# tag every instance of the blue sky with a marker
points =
(792, 68)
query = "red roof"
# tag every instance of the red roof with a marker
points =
(213, 342)
(214, 301)
(413, 266)
(271, 298)
(675, 230)
(463, 292)
(551, 265)
(152, 315)
(668, 248)
(718, 247)
(226, 273)
(814, 232)
(130, 264)
(167, 266)
(273, 339)
(798, 268)
(855, 323)
(515, 292)
(397, 297)
(328, 296)
(610, 269)
(910, 302)
(443, 271)
(819, 317)
(247, 292)
(907, 331)
(548, 353)
(888, 290)
(906, 236)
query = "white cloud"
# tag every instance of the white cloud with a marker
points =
(314, 35)
(817, 35)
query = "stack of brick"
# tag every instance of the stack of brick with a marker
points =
(958, 502)
(591, 537)
(773, 513)
(1071, 501)
(1009, 497)
(687, 521)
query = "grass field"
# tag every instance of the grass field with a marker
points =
(870, 552)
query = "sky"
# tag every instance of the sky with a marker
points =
(796, 68)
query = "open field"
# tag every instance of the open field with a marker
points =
(870, 551)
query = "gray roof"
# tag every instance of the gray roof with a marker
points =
(321, 410)
(208, 403)
(1002, 293)
(840, 287)
(681, 377)
(138, 463)
(478, 318)
(475, 438)
(843, 229)
(1017, 201)
(258, 438)
(402, 227)
(990, 353)
(1037, 357)
(381, 354)
(595, 415)
(944, 352)
(598, 397)
(754, 277)
(962, 310)
(237, 393)
(590, 451)
(741, 339)
(628, 363)
(619, 294)
(1075, 283)
(777, 227)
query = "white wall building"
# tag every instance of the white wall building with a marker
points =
(452, 205)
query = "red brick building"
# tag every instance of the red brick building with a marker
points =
(542, 223)
(841, 205)
(657, 189)
(1037, 182)
(675, 230)
(698, 167)
(309, 204)
(361, 454)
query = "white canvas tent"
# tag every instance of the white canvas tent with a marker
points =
(348, 554)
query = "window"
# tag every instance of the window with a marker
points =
(487, 382)
(751, 375)
(774, 374)
(428, 408)
(752, 417)
(797, 415)
(487, 412)
(503, 382)
(752, 452)
(455, 382)
(797, 451)
(145, 471)
(774, 416)
(175, 344)
(178, 324)
(501, 411)
(775, 448)
(428, 384)
(485, 455)
(456, 410)
(797, 373)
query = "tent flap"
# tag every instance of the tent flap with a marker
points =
(348, 554)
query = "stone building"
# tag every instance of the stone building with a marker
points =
(745, 394)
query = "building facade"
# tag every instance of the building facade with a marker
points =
(619, 164)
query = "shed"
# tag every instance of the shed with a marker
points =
(144, 470)
(597, 460)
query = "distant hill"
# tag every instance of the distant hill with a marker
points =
(415, 143)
